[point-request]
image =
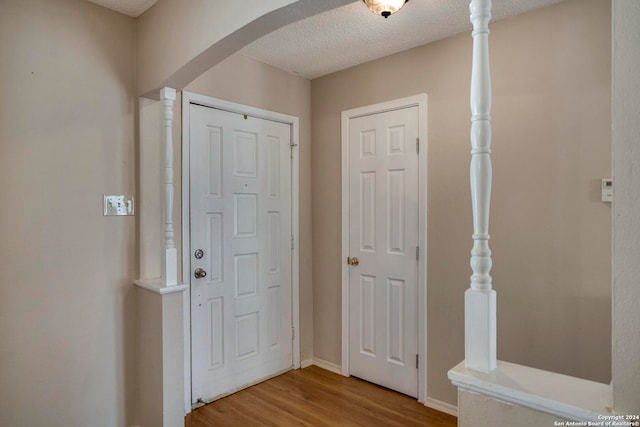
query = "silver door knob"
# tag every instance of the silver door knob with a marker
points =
(199, 273)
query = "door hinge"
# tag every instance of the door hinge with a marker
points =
(292, 241)
(417, 361)
(417, 253)
(293, 333)
(417, 145)
(292, 146)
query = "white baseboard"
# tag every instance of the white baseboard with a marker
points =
(306, 363)
(441, 406)
(332, 367)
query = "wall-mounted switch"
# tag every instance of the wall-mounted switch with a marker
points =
(607, 190)
(118, 205)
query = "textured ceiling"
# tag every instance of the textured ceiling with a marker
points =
(128, 7)
(351, 35)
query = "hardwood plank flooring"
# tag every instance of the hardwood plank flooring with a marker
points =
(316, 397)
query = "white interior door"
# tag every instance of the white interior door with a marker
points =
(383, 236)
(240, 203)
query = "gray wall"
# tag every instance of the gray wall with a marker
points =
(550, 232)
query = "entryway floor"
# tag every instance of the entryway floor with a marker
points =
(316, 397)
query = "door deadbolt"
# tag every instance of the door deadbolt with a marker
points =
(199, 254)
(353, 261)
(199, 273)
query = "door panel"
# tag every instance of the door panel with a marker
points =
(240, 202)
(383, 234)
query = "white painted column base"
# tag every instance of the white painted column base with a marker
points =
(480, 330)
(170, 268)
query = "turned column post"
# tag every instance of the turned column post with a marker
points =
(170, 255)
(480, 299)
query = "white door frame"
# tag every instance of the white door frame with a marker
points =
(421, 102)
(189, 98)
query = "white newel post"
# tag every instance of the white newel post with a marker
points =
(170, 256)
(480, 299)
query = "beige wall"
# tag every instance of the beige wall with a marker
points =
(174, 32)
(67, 310)
(179, 40)
(245, 81)
(550, 233)
(67, 307)
(149, 368)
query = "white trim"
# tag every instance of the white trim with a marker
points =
(157, 287)
(556, 394)
(421, 102)
(306, 363)
(187, 99)
(441, 406)
(295, 233)
(186, 245)
(329, 366)
(186, 310)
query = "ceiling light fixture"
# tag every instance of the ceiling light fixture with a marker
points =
(384, 7)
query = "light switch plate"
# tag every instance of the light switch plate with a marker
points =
(607, 190)
(115, 205)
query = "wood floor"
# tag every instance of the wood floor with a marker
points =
(316, 397)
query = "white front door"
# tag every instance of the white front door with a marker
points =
(383, 236)
(240, 204)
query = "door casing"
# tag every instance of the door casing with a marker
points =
(421, 102)
(189, 98)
